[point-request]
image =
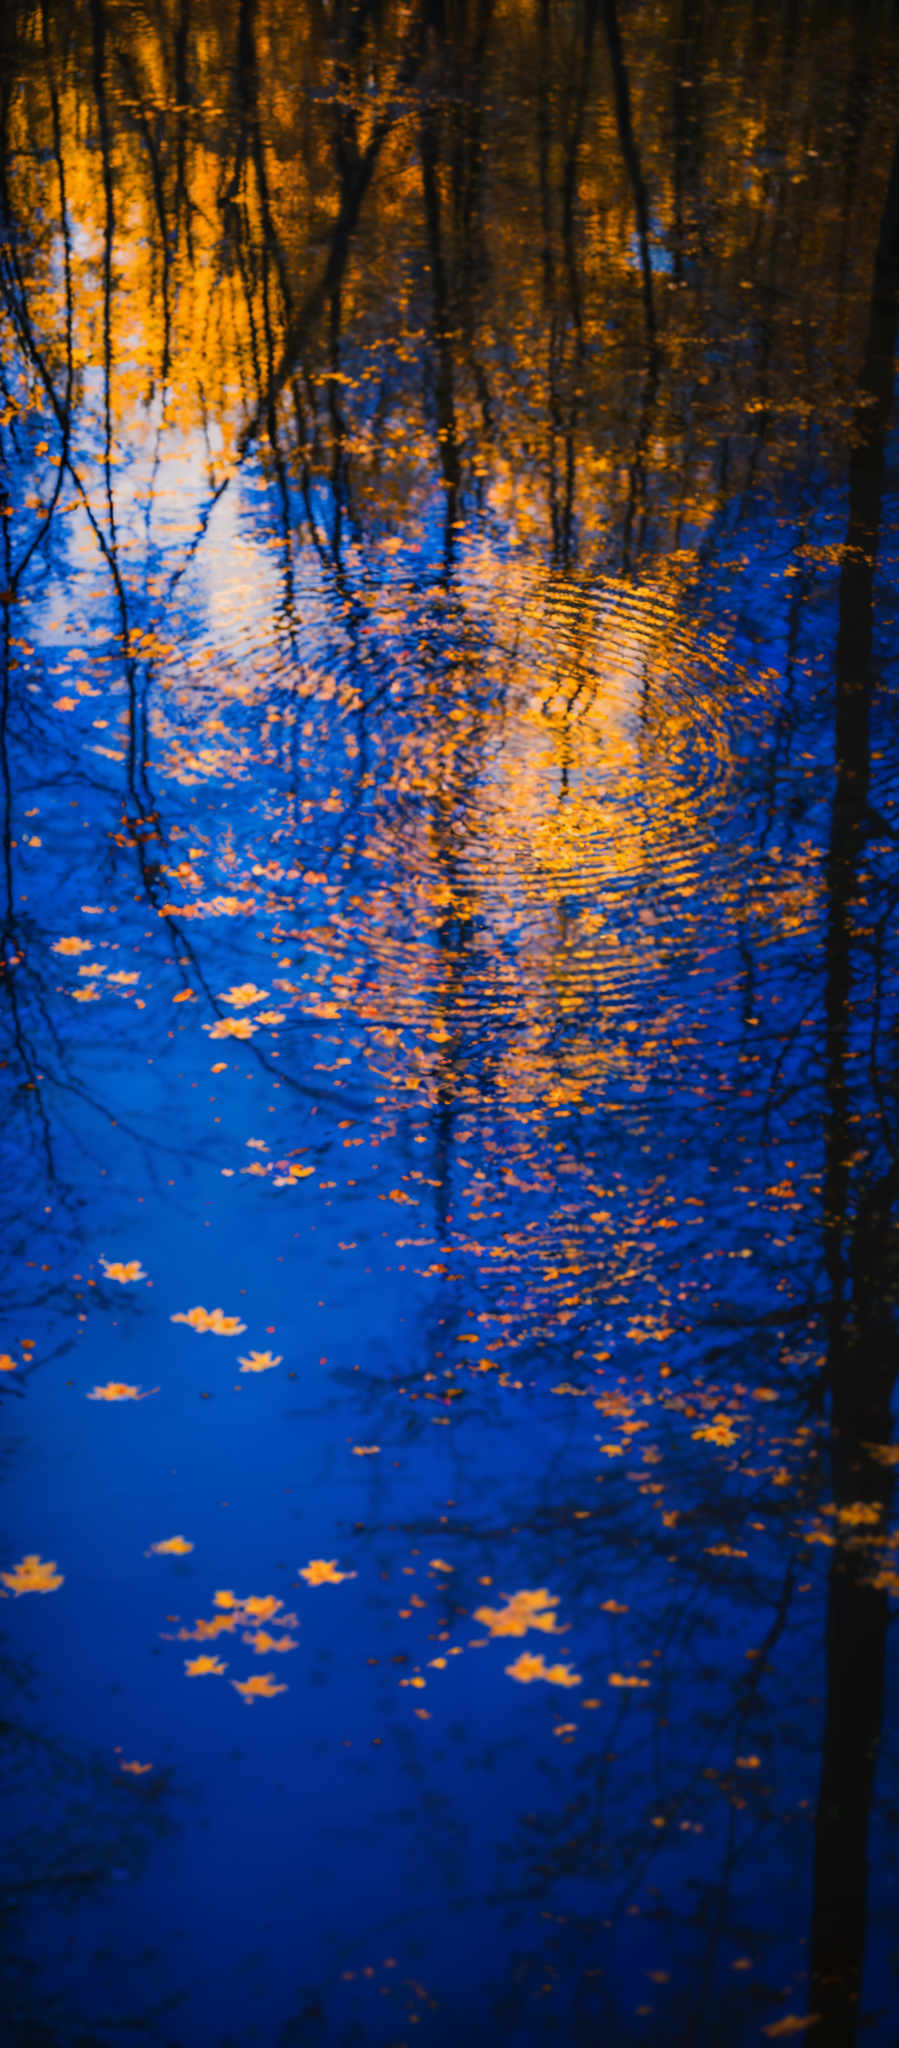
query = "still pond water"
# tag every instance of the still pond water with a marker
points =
(450, 1022)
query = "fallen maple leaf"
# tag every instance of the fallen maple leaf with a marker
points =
(322, 1571)
(243, 996)
(210, 1319)
(522, 1611)
(33, 1575)
(171, 1546)
(117, 1390)
(259, 1361)
(262, 1687)
(526, 1668)
(115, 1270)
(232, 1027)
(204, 1667)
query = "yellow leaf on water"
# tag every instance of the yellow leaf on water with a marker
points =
(243, 996)
(263, 1643)
(232, 1027)
(792, 2023)
(210, 1319)
(526, 1668)
(366, 1450)
(720, 1431)
(748, 1763)
(33, 1575)
(136, 1770)
(271, 1017)
(204, 1667)
(117, 1390)
(7, 1364)
(259, 1606)
(262, 1687)
(115, 1270)
(71, 946)
(321, 1571)
(522, 1611)
(171, 1546)
(259, 1361)
(616, 1678)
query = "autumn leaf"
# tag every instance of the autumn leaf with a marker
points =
(260, 1606)
(263, 1643)
(322, 1571)
(204, 1667)
(791, 2024)
(71, 946)
(617, 1679)
(115, 1270)
(206, 1631)
(33, 1575)
(85, 995)
(210, 1319)
(171, 1546)
(859, 1514)
(117, 1390)
(136, 1770)
(748, 1763)
(259, 1361)
(232, 1027)
(366, 1450)
(526, 1668)
(7, 1364)
(242, 997)
(719, 1431)
(262, 1687)
(522, 1611)
(271, 1017)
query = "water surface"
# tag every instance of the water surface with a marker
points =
(448, 760)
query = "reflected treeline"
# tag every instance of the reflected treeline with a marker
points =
(561, 264)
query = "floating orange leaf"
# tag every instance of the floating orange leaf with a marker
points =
(71, 946)
(243, 996)
(204, 1667)
(33, 1575)
(118, 1390)
(259, 1361)
(171, 1546)
(210, 1319)
(7, 1364)
(232, 1027)
(526, 1668)
(136, 1770)
(321, 1571)
(262, 1687)
(115, 1270)
(791, 2023)
(522, 1611)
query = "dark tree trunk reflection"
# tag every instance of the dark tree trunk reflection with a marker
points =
(862, 1365)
